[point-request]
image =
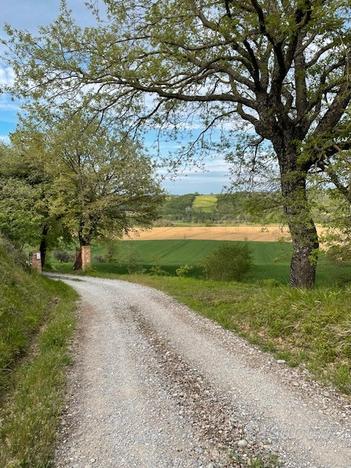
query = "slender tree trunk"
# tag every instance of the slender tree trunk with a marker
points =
(43, 245)
(302, 228)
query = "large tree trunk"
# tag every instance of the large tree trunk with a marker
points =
(43, 245)
(78, 261)
(302, 228)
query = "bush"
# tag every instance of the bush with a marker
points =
(100, 259)
(63, 256)
(339, 253)
(184, 270)
(133, 262)
(229, 262)
(112, 251)
(156, 270)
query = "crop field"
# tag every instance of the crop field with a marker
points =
(185, 251)
(206, 203)
(270, 233)
(271, 259)
(240, 232)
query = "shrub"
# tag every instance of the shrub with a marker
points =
(228, 262)
(112, 251)
(100, 259)
(133, 262)
(63, 256)
(156, 270)
(183, 270)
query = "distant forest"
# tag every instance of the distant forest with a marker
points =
(232, 208)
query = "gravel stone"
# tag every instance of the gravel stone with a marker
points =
(242, 443)
(155, 385)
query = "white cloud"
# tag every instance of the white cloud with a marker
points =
(7, 76)
(8, 106)
(4, 139)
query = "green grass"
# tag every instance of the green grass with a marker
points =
(206, 203)
(310, 328)
(36, 323)
(271, 259)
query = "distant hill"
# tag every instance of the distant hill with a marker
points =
(240, 207)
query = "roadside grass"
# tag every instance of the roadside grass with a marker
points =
(206, 203)
(309, 328)
(36, 323)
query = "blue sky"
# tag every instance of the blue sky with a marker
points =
(29, 14)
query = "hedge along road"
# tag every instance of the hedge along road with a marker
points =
(155, 385)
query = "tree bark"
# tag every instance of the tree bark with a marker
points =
(78, 262)
(302, 227)
(43, 245)
(83, 258)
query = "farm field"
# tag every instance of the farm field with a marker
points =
(271, 259)
(240, 232)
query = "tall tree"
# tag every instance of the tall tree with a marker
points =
(102, 186)
(282, 67)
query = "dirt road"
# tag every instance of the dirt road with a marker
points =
(155, 385)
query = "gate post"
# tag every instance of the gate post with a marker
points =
(36, 262)
(86, 257)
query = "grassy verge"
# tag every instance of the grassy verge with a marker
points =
(309, 328)
(36, 324)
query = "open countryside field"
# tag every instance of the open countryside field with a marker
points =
(268, 233)
(271, 259)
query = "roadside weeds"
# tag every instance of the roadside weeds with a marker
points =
(34, 400)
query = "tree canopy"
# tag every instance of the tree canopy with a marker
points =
(77, 176)
(102, 184)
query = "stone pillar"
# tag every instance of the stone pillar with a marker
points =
(36, 262)
(86, 257)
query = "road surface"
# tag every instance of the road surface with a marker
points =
(155, 385)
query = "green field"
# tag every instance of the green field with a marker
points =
(271, 259)
(205, 203)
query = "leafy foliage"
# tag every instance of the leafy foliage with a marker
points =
(183, 270)
(62, 256)
(230, 261)
(74, 181)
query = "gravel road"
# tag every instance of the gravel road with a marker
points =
(155, 385)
